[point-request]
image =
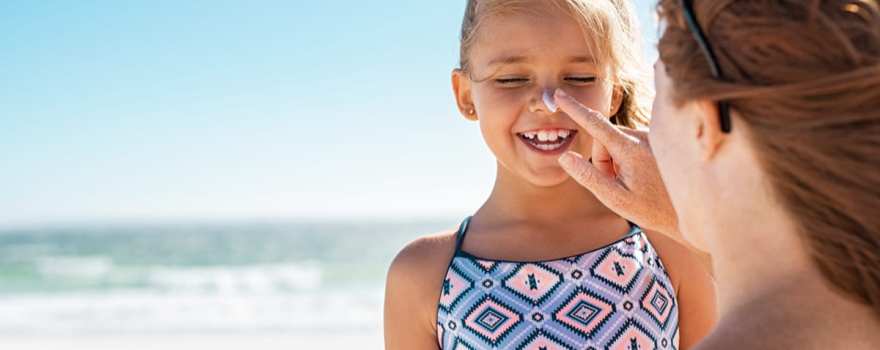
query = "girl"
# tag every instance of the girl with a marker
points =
(543, 264)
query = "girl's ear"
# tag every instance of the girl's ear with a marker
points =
(461, 87)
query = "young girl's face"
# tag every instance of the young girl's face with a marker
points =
(514, 60)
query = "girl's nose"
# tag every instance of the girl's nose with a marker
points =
(549, 100)
(544, 102)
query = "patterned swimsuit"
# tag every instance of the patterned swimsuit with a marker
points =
(615, 297)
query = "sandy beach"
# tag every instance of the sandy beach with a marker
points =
(191, 342)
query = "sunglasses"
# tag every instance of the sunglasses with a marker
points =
(700, 37)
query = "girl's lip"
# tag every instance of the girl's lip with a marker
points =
(548, 128)
(535, 145)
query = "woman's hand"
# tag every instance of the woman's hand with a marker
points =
(621, 172)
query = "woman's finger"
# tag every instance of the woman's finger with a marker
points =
(606, 187)
(635, 133)
(593, 122)
(602, 160)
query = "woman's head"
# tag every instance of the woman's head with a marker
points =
(802, 78)
(512, 51)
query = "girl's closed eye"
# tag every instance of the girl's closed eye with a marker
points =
(580, 80)
(512, 81)
(522, 81)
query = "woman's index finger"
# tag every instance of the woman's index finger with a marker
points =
(593, 122)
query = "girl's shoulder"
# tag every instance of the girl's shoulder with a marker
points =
(679, 258)
(416, 275)
(690, 271)
(427, 255)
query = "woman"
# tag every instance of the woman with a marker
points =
(766, 133)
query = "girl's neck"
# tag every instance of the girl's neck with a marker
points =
(515, 199)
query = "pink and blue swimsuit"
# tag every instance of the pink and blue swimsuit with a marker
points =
(615, 297)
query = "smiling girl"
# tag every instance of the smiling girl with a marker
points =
(543, 264)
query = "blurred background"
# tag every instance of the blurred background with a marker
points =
(224, 173)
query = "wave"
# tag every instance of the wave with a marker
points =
(257, 279)
(95, 295)
(186, 312)
(101, 272)
(296, 277)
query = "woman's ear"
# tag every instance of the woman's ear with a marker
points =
(461, 87)
(708, 128)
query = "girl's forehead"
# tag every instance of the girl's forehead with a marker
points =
(524, 22)
(525, 37)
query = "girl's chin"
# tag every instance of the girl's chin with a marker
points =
(548, 177)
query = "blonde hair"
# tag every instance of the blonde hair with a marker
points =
(610, 28)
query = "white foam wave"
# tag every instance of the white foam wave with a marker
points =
(141, 312)
(224, 280)
(230, 280)
(74, 267)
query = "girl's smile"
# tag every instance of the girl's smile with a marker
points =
(548, 141)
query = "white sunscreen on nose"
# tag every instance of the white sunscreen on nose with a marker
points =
(549, 101)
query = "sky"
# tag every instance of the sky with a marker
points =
(225, 110)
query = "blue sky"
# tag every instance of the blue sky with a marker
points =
(155, 110)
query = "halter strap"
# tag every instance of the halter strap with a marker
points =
(462, 231)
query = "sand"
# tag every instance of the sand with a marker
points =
(194, 342)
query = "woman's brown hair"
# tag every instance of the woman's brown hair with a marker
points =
(804, 78)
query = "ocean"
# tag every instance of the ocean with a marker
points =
(320, 277)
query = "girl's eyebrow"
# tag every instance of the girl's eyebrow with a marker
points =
(508, 60)
(504, 60)
(582, 59)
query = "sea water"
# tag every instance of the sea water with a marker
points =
(288, 277)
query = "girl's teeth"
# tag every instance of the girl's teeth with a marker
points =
(543, 136)
(547, 135)
(549, 147)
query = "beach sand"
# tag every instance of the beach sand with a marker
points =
(194, 342)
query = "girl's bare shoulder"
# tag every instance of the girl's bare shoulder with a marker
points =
(691, 273)
(428, 254)
(680, 258)
(412, 291)
(417, 272)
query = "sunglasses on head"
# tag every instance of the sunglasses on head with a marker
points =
(691, 19)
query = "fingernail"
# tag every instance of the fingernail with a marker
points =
(560, 94)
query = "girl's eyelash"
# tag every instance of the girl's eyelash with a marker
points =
(582, 79)
(510, 80)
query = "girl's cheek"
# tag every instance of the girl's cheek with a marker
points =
(585, 144)
(508, 95)
(597, 97)
(506, 101)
